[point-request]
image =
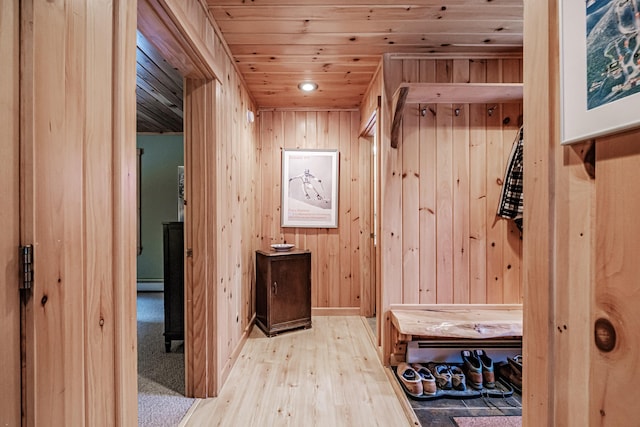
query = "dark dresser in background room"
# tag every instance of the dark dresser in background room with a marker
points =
(283, 290)
(173, 246)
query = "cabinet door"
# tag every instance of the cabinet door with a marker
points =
(290, 289)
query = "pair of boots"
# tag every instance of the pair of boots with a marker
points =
(512, 372)
(479, 369)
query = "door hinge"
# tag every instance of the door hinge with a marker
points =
(26, 267)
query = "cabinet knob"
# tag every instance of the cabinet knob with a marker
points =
(275, 288)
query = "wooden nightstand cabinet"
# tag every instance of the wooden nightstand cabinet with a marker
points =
(283, 290)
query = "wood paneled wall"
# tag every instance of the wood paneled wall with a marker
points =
(9, 215)
(440, 238)
(447, 176)
(237, 167)
(78, 186)
(337, 258)
(612, 401)
(580, 254)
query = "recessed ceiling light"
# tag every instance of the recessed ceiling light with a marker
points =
(308, 86)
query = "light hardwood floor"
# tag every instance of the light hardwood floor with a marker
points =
(328, 375)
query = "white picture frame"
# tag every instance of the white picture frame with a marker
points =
(599, 71)
(309, 188)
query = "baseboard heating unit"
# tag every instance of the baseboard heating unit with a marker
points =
(448, 351)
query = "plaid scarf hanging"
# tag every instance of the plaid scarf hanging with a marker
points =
(511, 197)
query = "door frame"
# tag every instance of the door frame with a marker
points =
(10, 378)
(166, 25)
(371, 286)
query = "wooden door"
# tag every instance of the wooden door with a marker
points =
(9, 216)
(78, 187)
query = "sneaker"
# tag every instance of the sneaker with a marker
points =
(410, 379)
(442, 375)
(458, 379)
(488, 374)
(428, 380)
(472, 367)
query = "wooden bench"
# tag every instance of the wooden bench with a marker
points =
(455, 322)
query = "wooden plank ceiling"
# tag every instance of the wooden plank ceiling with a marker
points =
(336, 43)
(158, 91)
(339, 43)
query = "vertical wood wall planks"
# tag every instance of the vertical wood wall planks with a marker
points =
(306, 125)
(512, 250)
(336, 263)
(125, 201)
(461, 168)
(477, 190)
(409, 151)
(358, 190)
(428, 206)
(460, 183)
(444, 189)
(345, 210)
(324, 240)
(9, 215)
(494, 178)
(290, 141)
(331, 141)
(269, 213)
(575, 198)
(99, 310)
(616, 280)
(78, 162)
(540, 108)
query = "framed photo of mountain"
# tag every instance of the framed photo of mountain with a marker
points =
(600, 67)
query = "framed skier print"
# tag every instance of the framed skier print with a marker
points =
(309, 188)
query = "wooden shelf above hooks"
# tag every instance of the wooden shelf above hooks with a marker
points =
(450, 93)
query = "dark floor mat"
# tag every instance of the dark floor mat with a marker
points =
(502, 389)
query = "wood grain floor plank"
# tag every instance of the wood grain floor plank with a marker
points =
(328, 375)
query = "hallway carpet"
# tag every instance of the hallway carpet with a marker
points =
(161, 401)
